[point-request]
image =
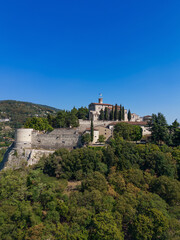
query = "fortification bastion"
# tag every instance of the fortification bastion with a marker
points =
(30, 145)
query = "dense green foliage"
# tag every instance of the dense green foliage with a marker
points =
(38, 124)
(2, 152)
(174, 131)
(162, 133)
(18, 112)
(127, 131)
(101, 138)
(63, 119)
(123, 191)
(86, 139)
(159, 128)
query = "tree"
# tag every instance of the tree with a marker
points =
(71, 120)
(120, 113)
(101, 138)
(153, 225)
(175, 133)
(101, 116)
(129, 115)
(116, 113)
(112, 114)
(86, 139)
(106, 115)
(127, 131)
(74, 111)
(167, 188)
(105, 227)
(92, 131)
(50, 119)
(38, 124)
(159, 128)
(83, 113)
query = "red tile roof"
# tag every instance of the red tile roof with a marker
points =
(89, 129)
(105, 104)
(132, 123)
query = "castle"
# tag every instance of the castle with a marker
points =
(96, 108)
(30, 145)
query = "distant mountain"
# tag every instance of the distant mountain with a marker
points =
(17, 112)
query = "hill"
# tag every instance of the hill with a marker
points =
(16, 113)
(124, 191)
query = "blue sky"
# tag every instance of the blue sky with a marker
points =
(64, 53)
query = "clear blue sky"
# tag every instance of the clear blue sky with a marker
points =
(64, 53)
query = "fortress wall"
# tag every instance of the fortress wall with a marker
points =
(56, 139)
(83, 124)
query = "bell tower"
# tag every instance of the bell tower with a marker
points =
(100, 98)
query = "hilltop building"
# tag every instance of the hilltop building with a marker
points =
(30, 145)
(95, 109)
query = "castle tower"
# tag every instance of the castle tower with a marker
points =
(100, 98)
(23, 138)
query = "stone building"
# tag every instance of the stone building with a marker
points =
(95, 134)
(95, 109)
(30, 145)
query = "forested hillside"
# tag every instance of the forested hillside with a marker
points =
(35, 116)
(18, 112)
(122, 191)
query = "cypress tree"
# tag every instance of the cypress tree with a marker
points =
(101, 116)
(129, 115)
(120, 113)
(112, 114)
(92, 130)
(116, 113)
(106, 115)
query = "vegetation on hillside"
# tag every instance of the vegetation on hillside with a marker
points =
(162, 133)
(63, 119)
(35, 116)
(18, 112)
(123, 191)
(127, 131)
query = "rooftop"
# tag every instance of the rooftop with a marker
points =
(142, 123)
(105, 104)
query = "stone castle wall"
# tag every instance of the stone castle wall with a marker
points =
(30, 145)
(58, 138)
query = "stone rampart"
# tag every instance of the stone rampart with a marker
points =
(58, 138)
(83, 124)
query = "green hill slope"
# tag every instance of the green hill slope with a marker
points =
(17, 112)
